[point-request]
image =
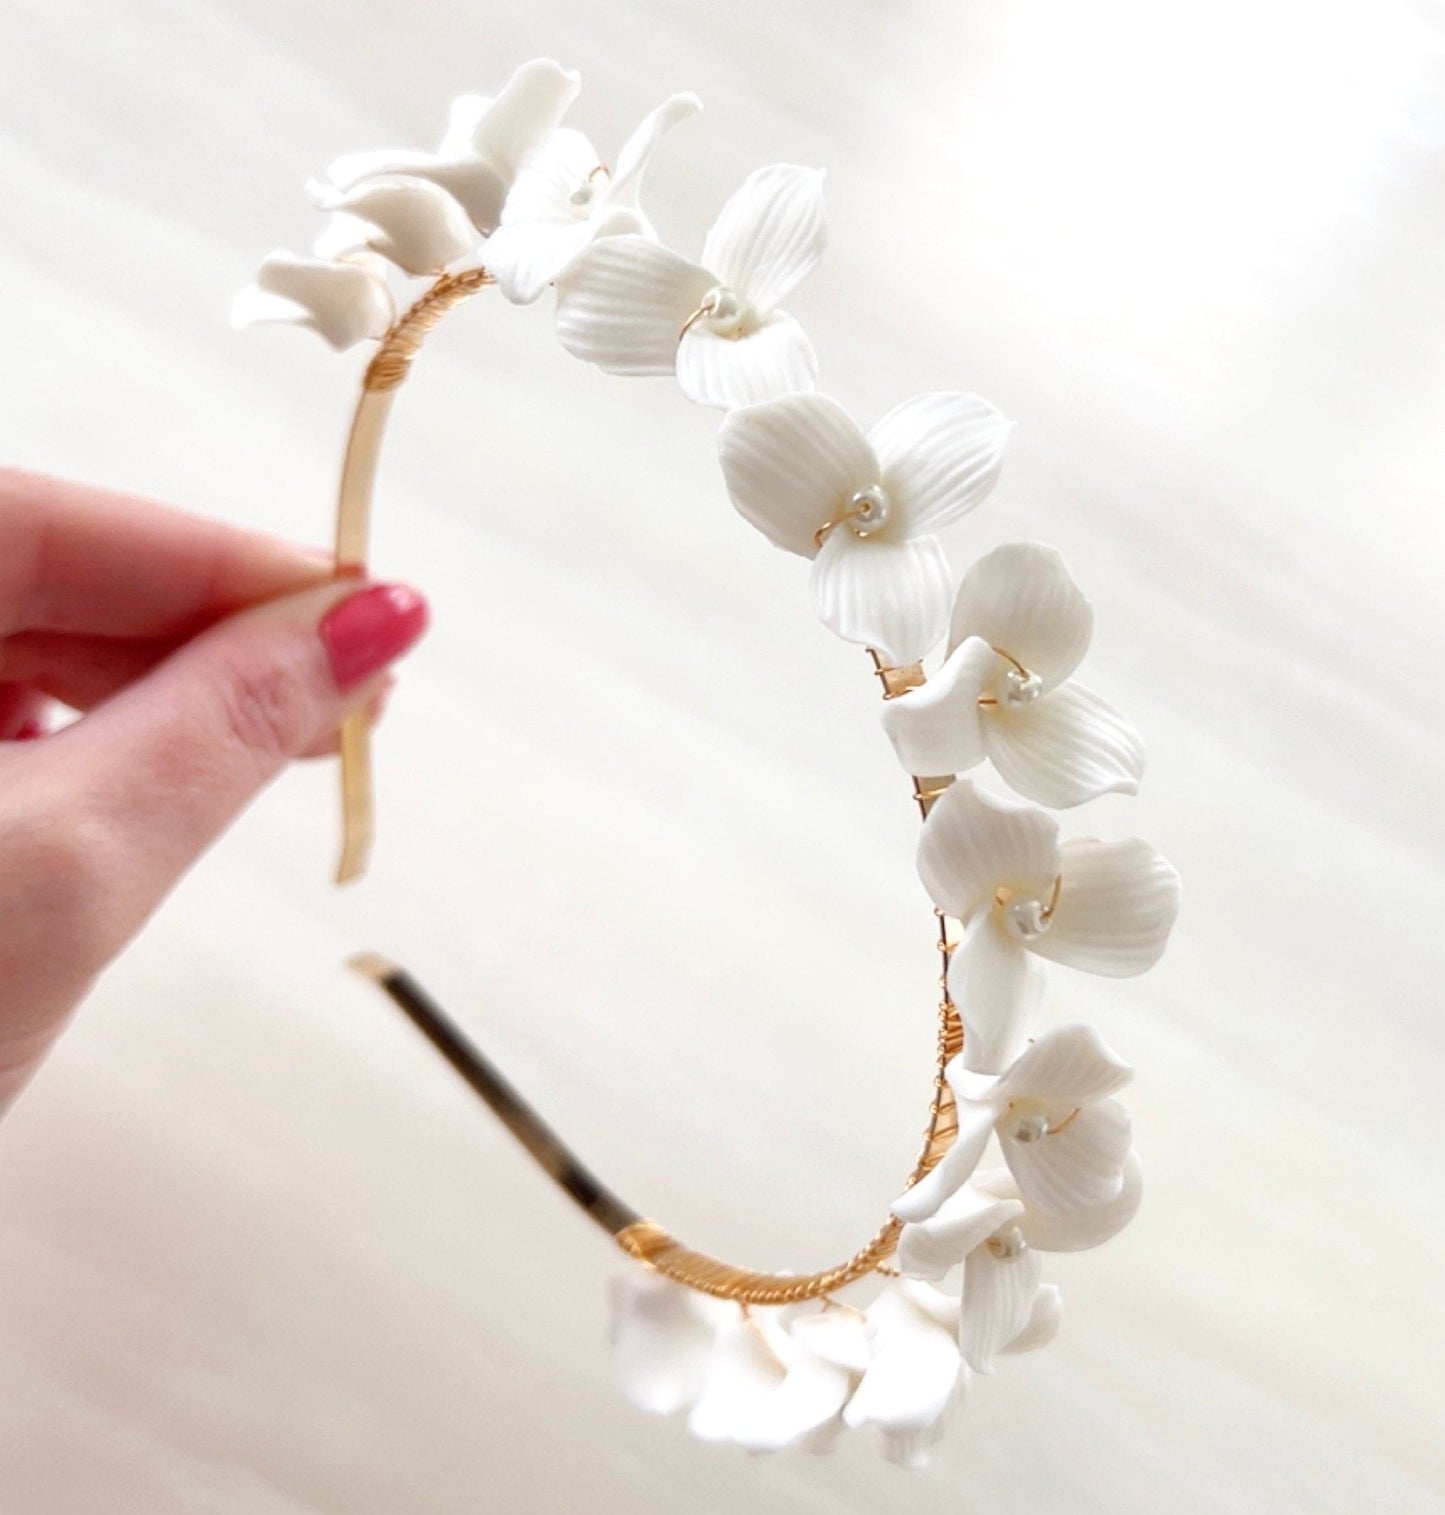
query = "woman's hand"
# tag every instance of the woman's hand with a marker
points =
(204, 660)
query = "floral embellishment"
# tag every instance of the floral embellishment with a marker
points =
(635, 308)
(410, 222)
(564, 196)
(1062, 1135)
(344, 302)
(1019, 630)
(485, 144)
(1000, 869)
(866, 509)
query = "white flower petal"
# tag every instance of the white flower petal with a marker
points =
(941, 454)
(343, 302)
(622, 304)
(888, 595)
(1115, 909)
(805, 1404)
(1080, 1167)
(1071, 1065)
(936, 729)
(1020, 598)
(503, 131)
(998, 1297)
(526, 256)
(637, 151)
(1064, 748)
(997, 987)
(973, 844)
(923, 1200)
(741, 1374)
(473, 183)
(837, 1334)
(1043, 1322)
(915, 1369)
(775, 358)
(1078, 1230)
(414, 223)
(545, 183)
(662, 1336)
(931, 1248)
(770, 235)
(791, 465)
(911, 1449)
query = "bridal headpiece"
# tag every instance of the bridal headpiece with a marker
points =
(1027, 1150)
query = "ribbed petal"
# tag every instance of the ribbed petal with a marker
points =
(526, 256)
(925, 1198)
(662, 1339)
(508, 128)
(1043, 1322)
(941, 454)
(931, 1248)
(1064, 748)
(769, 235)
(1077, 1230)
(1020, 598)
(998, 1298)
(888, 595)
(936, 729)
(1070, 1066)
(791, 465)
(997, 987)
(343, 302)
(973, 844)
(637, 151)
(1078, 1168)
(1115, 909)
(741, 1374)
(915, 1369)
(775, 358)
(413, 222)
(623, 302)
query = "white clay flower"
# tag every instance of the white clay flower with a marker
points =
(663, 1337)
(564, 196)
(345, 302)
(866, 508)
(1065, 1139)
(915, 1372)
(635, 308)
(997, 1238)
(1020, 627)
(999, 868)
(410, 222)
(779, 1379)
(485, 142)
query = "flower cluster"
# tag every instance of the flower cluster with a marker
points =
(513, 191)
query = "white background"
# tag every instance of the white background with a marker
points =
(259, 1252)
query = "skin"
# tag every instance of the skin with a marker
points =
(191, 651)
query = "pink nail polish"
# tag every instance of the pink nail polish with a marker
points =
(370, 629)
(30, 731)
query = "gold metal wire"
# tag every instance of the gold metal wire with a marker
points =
(386, 372)
(642, 1239)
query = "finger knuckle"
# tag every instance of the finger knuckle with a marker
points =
(268, 710)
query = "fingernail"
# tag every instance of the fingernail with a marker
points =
(30, 731)
(370, 629)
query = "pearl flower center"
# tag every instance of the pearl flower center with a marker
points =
(868, 510)
(1021, 687)
(1027, 1121)
(725, 312)
(1025, 916)
(1007, 1243)
(581, 199)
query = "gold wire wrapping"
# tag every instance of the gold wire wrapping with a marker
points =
(385, 373)
(644, 1240)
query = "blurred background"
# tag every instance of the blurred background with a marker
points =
(259, 1250)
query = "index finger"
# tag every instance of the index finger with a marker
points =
(77, 559)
